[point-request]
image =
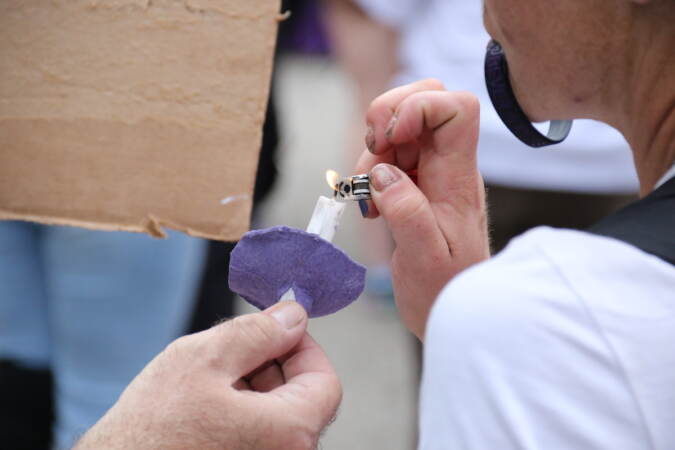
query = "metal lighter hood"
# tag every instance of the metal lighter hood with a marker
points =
(356, 187)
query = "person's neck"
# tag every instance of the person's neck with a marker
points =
(651, 128)
(652, 138)
(646, 116)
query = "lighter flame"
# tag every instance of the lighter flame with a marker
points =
(332, 178)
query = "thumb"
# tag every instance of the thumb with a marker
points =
(254, 339)
(409, 217)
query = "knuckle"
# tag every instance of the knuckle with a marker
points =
(306, 432)
(379, 110)
(333, 399)
(433, 83)
(180, 346)
(407, 208)
(324, 406)
(290, 431)
(179, 353)
(255, 328)
(302, 439)
(468, 103)
(339, 392)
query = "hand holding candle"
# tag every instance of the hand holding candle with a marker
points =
(282, 263)
(324, 222)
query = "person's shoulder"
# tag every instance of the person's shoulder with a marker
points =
(553, 281)
(603, 273)
(543, 330)
(552, 263)
(519, 285)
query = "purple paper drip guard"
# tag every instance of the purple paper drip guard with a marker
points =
(265, 264)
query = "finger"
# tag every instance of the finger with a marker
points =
(444, 125)
(381, 112)
(368, 160)
(242, 385)
(247, 342)
(269, 377)
(311, 382)
(409, 217)
(407, 155)
(365, 163)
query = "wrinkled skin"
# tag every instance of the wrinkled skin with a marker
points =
(250, 383)
(439, 226)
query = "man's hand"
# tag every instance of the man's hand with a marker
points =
(439, 224)
(256, 382)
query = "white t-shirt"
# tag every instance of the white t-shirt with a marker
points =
(445, 39)
(565, 340)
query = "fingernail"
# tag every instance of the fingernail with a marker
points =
(390, 127)
(363, 206)
(383, 176)
(370, 139)
(289, 314)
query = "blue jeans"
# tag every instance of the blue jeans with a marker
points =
(93, 306)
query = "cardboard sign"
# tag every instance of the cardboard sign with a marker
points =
(134, 114)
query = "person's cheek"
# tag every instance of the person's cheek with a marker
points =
(487, 20)
(499, 21)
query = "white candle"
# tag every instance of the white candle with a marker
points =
(324, 222)
(326, 218)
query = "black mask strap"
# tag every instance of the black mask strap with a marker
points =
(504, 101)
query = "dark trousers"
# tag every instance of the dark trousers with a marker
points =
(26, 407)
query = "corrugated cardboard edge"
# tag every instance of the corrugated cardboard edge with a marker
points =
(153, 226)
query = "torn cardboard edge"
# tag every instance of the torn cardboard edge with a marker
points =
(153, 226)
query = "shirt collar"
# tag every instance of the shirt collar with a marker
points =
(668, 175)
